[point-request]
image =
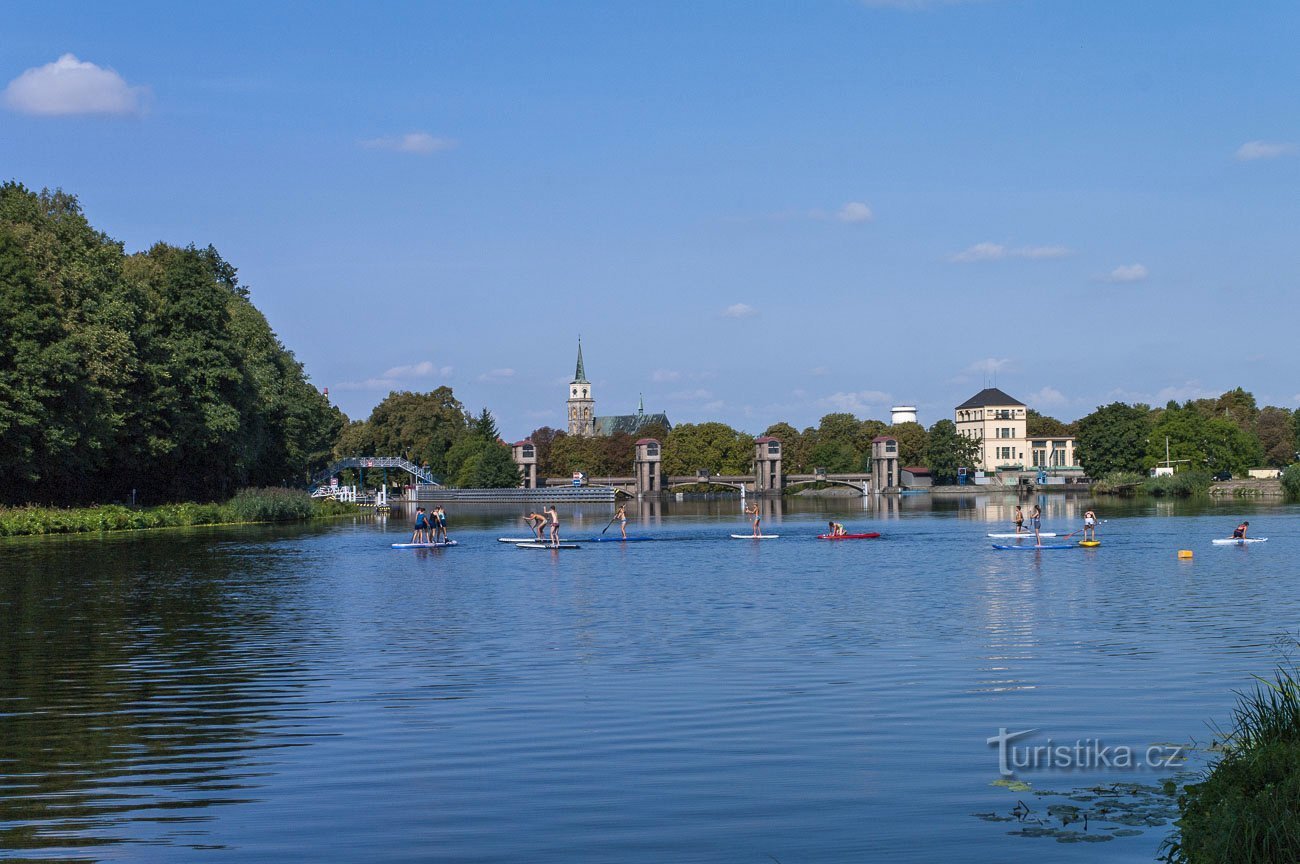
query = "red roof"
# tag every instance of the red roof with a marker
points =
(883, 438)
(641, 441)
(916, 469)
(528, 441)
(763, 439)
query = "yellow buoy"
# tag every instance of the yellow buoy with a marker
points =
(1184, 553)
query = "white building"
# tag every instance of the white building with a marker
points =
(999, 423)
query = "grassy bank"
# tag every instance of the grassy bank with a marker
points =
(248, 505)
(1248, 807)
(1184, 484)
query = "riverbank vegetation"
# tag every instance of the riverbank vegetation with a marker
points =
(248, 505)
(147, 376)
(1246, 809)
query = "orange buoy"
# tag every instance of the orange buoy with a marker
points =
(1184, 553)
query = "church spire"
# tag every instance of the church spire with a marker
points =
(640, 403)
(580, 374)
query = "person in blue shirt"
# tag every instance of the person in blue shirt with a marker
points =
(421, 532)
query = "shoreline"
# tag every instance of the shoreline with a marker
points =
(36, 521)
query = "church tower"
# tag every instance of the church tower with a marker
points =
(581, 404)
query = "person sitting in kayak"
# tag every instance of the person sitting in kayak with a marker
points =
(1089, 526)
(1239, 533)
(836, 529)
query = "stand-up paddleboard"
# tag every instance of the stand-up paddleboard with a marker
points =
(752, 537)
(1090, 544)
(1239, 541)
(870, 535)
(424, 545)
(517, 540)
(619, 539)
(533, 544)
(1022, 535)
(1032, 547)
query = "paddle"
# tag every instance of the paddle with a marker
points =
(611, 522)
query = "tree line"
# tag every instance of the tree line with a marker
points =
(149, 371)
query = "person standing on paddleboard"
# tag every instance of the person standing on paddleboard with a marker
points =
(555, 524)
(441, 524)
(1089, 526)
(535, 522)
(621, 515)
(752, 510)
(1018, 519)
(1036, 519)
(421, 524)
(1239, 533)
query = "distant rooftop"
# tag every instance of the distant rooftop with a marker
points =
(989, 396)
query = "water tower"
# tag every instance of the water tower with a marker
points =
(902, 414)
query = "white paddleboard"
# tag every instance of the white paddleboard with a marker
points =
(517, 540)
(533, 544)
(752, 537)
(1238, 541)
(1023, 535)
(424, 545)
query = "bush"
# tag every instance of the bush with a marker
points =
(1118, 481)
(271, 504)
(1248, 807)
(1291, 481)
(1182, 484)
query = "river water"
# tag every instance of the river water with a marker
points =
(309, 693)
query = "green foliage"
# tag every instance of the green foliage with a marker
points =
(1041, 426)
(1113, 438)
(421, 427)
(1276, 430)
(1119, 482)
(248, 505)
(1210, 444)
(1291, 481)
(150, 372)
(1245, 809)
(946, 451)
(912, 443)
(713, 446)
(1182, 484)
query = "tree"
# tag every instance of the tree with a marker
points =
(912, 442)
(1113, 438)
(421, 427)
(1041, 426)
(1275, 428)
(712, 446)
(1210, 444)
(946, 451)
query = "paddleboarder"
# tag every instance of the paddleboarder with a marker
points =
(752, 510)
(554, 518)
(621, 515)
(1239, 533)
(439, 524)
(421, 526)
(836, 529)
(1018, 519)
(535, 522)
(1036, 519)
(1089, 526)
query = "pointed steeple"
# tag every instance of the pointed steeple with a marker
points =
(640, 403)
(580, 374)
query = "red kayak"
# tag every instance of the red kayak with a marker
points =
(871, 536)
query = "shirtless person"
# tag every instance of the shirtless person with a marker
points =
(555, 524)
(535, 522)
(752, 510)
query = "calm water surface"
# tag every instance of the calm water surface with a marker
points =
(311, 693)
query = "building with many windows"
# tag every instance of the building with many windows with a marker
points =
(999, 423)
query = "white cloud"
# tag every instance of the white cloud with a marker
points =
(739, 310)
(690, 395)
(71, 86)
(497, 375)
(855, 211)
(1177, 392)
(998, 251)
(857, 402)
(990, 366)
(664, 376)
(1047, 396)
(420, 143)
(1252, 150)
(1128, 273)
(394, 378)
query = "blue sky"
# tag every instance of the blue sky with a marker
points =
(751, 212)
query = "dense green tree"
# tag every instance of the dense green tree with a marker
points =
(1042, 426)
(421, 427)
(1113, 438)
(1237, 406)
(912, 443)
(946, 451)
(712, 446)
(1206, 443)
(1275, 428)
